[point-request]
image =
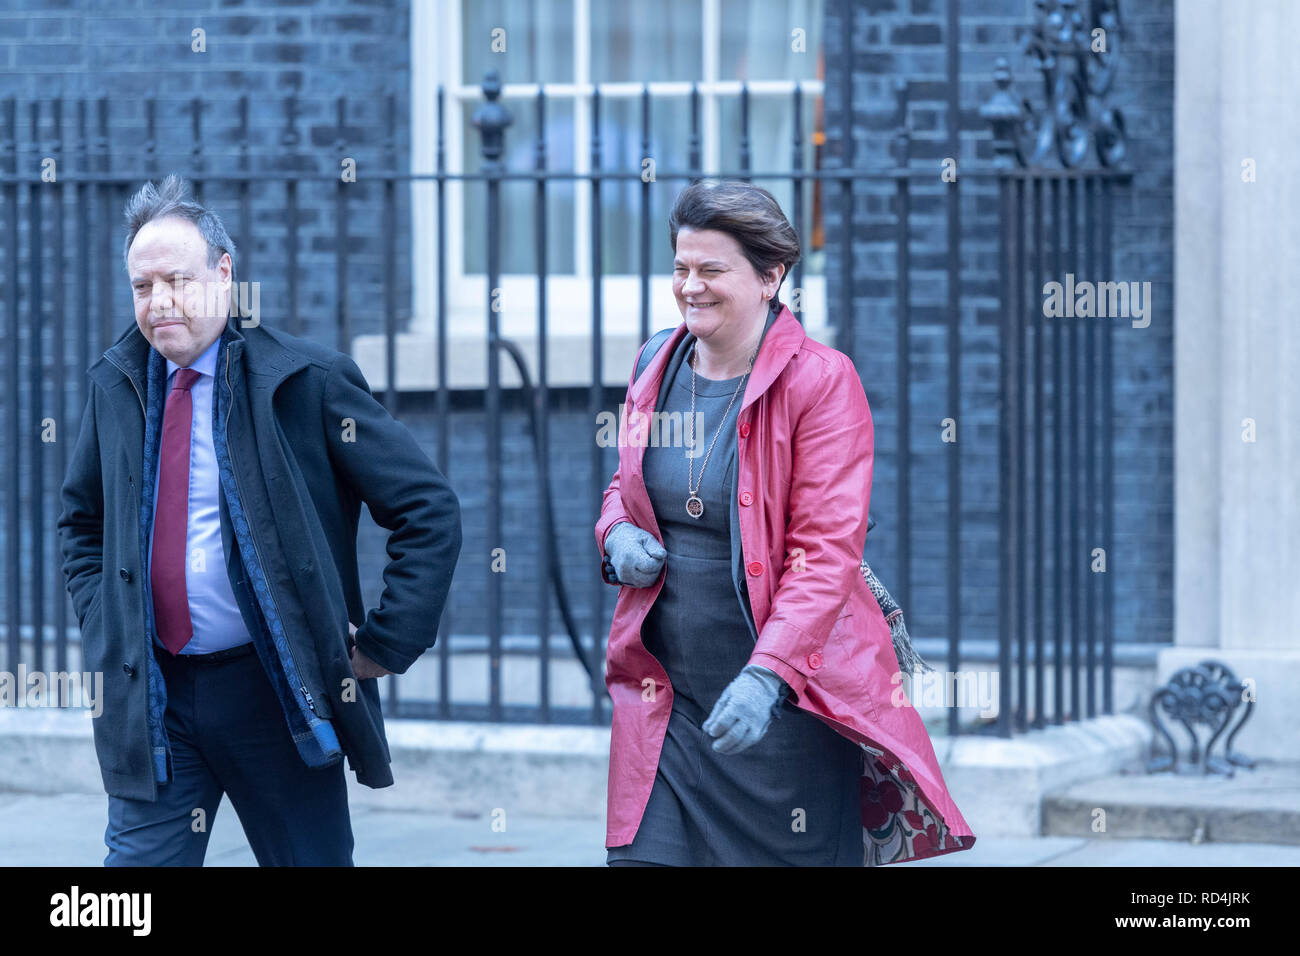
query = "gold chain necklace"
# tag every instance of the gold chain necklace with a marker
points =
(694, 506)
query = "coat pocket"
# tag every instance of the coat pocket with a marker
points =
(93, 608)
(104, 664)
(92, 629)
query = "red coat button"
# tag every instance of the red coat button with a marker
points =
(814, 661)
(755, 568)
(744, 429)
(746, 498)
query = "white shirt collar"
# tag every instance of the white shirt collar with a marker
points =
(205, 364)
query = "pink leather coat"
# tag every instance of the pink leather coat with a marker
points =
(805, 447)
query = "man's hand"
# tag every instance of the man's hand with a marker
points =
(363, 666)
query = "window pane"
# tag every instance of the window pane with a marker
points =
(758, 38)
(620, 130)
(771, 145)
(643, 44)
(519, 198)
(538, 39)
(646, 42)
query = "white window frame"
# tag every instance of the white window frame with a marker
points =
(436, 59)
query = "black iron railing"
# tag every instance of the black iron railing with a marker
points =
(1054, 175)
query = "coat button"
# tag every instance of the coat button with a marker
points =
(756, 568)
(124, 574)
(744, 429)
(814, 660)
(746, 498)
(128, 670)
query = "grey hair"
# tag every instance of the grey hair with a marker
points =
(172, 198)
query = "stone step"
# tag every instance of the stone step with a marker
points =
(1253, 806)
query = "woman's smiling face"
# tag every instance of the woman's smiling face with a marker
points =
(715, 285)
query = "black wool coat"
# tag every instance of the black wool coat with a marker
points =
(301, 443)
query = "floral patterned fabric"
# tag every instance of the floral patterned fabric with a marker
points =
(897, 825)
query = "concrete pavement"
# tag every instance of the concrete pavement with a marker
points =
(68, 830)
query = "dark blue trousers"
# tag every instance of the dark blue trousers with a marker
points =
(228, 735)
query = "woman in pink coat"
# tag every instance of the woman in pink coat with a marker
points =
(758, 717)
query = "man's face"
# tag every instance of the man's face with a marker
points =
(180, 303)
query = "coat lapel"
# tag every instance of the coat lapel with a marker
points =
(123, 372)
(783, 341)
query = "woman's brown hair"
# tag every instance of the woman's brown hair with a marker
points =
(748, 213)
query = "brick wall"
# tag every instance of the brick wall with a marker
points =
(127, 50)
(876, 41)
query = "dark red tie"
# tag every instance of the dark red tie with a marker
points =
(171, 602)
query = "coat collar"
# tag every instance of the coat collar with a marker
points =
(782, 341)
(262, 352)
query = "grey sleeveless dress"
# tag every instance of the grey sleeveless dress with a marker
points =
(792, 798)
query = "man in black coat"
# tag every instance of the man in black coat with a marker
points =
(209, 541)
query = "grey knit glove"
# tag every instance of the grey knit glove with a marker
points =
(636, 555)
(743, 713)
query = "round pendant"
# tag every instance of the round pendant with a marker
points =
(694, 506)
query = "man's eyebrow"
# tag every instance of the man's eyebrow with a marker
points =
(707, 262)
(173, 272)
